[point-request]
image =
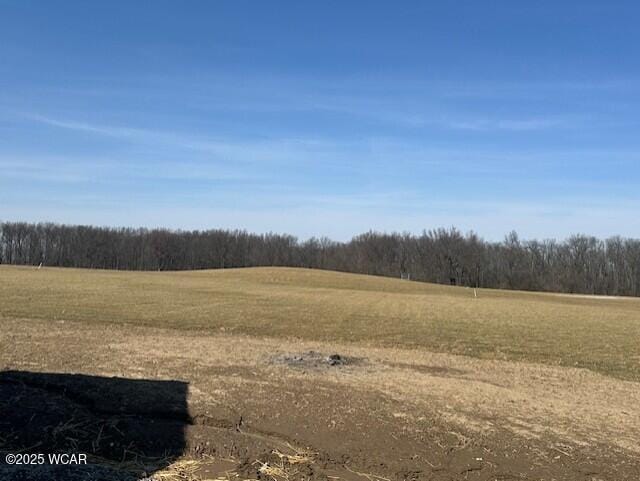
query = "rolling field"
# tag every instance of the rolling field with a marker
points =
(296, 375)
(601, 334)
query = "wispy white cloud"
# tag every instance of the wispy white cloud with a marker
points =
(177, 155)
(524, 124)
(240, 150)
(539, 89)
(111, 170)
(34, 169)
(119, 132)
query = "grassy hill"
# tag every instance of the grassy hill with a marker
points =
(601, 334)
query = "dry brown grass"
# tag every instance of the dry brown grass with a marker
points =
(599, 334)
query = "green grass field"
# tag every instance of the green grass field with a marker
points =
(599, 334)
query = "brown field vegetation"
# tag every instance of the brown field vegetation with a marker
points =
(227, 373)
(600, 334)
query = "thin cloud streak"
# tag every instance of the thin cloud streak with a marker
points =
(245, 151)
(250, 159)
(517, 125)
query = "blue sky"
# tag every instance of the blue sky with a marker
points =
(323, 118)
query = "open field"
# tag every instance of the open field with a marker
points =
(601, 334)
(230, 369)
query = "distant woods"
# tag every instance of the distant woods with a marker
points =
(579, 264)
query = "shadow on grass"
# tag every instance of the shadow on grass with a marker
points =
(128, 428)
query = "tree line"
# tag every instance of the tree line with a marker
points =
(579, 264)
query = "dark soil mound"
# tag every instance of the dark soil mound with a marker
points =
(315, 360)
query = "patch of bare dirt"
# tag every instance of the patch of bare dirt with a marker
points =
(273, 409)
(315, 360)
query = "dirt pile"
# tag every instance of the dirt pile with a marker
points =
(315, 360)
